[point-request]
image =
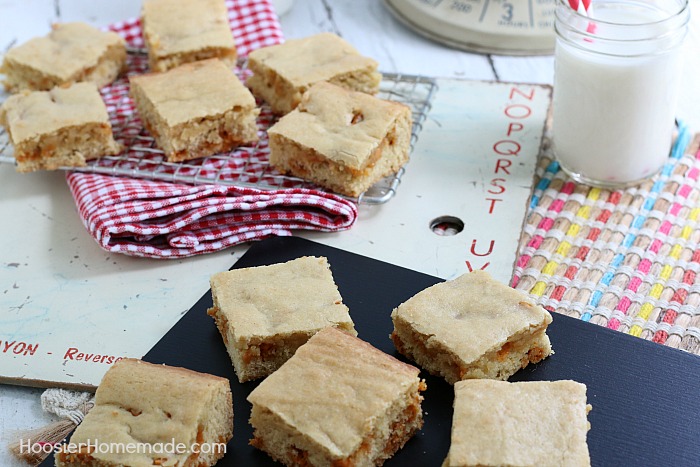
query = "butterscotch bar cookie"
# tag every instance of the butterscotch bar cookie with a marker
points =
(183, 31)
(70, 53)
(283, 72)
(148, 414)
(63, 127)
(539, 423)
(265, 313)
(471, 327)
(342, 140)
(337, 401)
(196, 110)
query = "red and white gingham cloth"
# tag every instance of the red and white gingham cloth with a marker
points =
(167, 220)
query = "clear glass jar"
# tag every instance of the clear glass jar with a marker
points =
(616, 82)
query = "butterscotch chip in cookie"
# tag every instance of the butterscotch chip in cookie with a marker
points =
(70, 53)
(282, 73)
(337, 401)
(184, 31)
(541, 423)
(265, 313)
(342, 140)
(63, 127)
(471, 327)
(147, 414)
(196, 110)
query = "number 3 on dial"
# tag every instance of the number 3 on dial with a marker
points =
(508, 14)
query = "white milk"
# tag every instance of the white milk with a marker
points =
(613, 115)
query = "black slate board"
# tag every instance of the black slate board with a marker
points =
(645, 397)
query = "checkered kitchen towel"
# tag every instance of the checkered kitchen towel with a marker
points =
(167, 220)
(159, 219)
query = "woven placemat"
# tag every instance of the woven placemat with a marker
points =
(625, 259)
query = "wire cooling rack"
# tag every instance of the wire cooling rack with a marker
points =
(245, 166)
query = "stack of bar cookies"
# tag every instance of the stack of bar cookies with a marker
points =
(327, 397)
(56, 116)
(192, 103)
(283, 73)
(334, 132)
(198, 109)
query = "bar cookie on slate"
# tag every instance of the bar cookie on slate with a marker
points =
(541, 423)
(471, 327)
(337, 401)
(142, 408)
(265, 313)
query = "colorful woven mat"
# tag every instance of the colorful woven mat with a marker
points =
(626, 259)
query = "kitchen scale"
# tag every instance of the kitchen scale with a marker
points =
(508, 27)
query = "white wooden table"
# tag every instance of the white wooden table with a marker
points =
(364, 23)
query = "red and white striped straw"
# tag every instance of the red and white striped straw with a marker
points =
(580, 5)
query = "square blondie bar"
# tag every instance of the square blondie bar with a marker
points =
(282, 73)
(265, 313)
(541, 423)
(337, 401)
(70, 53)
(142, 408)
(196, 110)
(342, 140)
(471, 327)
(63, 127)
(184, 31)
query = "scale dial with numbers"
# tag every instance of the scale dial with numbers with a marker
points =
(509, 27)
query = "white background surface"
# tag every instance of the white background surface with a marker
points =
(364, 23)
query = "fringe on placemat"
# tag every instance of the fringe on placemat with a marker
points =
(33, 446)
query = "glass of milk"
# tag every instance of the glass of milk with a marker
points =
(616, 79)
